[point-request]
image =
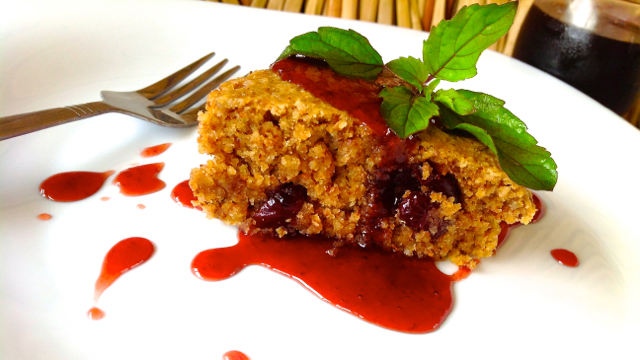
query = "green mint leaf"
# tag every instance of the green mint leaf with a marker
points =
(405, 113)
(520, 157)
(411, 70)
(454, 101)
(479, 133)
(421, 112)
(429, 89)
(454, 46)
(345, 51)
(396, 103)
(531, 166)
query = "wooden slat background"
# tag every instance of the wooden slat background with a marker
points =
(414, 14)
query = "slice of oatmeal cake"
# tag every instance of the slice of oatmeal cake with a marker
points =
(299, 149)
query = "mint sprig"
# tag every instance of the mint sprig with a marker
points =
(410, 98)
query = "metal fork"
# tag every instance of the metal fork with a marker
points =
(150, 103)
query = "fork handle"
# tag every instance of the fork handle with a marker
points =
(20, 124)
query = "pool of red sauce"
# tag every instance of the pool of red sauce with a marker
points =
(234, 355)
(122, 257)
(384, 288)
(390, 290)
(140, 180)
(73, 186)
(565, 257)
(183, 195)
(154, 150)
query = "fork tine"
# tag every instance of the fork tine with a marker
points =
(170, 97)
(193, 111)
(186, 103)
(170, 81)
(191, 116)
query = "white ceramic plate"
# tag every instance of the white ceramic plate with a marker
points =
(520, 303)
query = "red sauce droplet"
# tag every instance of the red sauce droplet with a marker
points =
(105, 198)
(381, 287)
(183, 195)
(565, 257)
(44, 217)
(141, 206)
(357, 97)
(73, 186)
(154, 150)
(95, 314)
(140, 180)
(122, 257)
(234, 355)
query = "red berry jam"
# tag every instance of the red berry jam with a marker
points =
(282, 206)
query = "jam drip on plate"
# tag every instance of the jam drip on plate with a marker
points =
(154, 150)
(140, 180)
(565, 257)
(122, 257)
(44, 217)
(183, 195)
(234, 355)
(387, 289)
(73, 186)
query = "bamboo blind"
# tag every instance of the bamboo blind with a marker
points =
(414, 14)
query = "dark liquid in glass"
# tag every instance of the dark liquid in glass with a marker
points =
(606, 69)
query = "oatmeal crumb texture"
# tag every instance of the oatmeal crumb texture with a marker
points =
(264, 132)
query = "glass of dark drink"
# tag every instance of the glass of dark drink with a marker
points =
(593, 45)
